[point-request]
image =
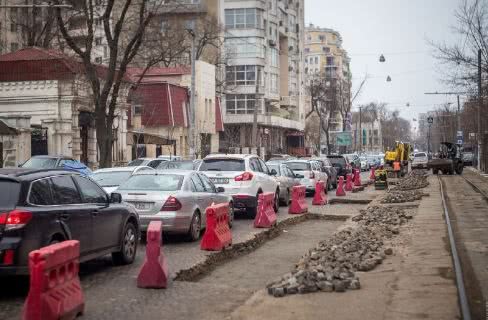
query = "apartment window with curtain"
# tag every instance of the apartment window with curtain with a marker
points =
(243, 18)
(273, 83)
(245, 47)
(273, 57)
(240, 103)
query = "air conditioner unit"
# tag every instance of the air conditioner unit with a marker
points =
(290, 48)
(286, 29)
(281, 23)
(272, 42)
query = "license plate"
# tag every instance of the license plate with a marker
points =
(142, 205)
(220, 180)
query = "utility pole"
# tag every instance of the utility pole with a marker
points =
(360, 130)
(254, 134)
(191, 126)
(480, 105)
(458, 115)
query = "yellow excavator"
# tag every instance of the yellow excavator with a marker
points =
(396, 161)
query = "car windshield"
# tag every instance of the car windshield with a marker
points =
(135, 163)
(153, 182)
(9, 194)
(40, 163)
(181, 165)
(420, 155)
(222, 165)
(298, 166)
(111, 178)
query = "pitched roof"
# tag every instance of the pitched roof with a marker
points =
(34, 63)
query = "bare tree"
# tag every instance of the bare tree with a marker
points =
(121, 20)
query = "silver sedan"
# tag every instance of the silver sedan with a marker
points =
(178, 198)
(286, 179)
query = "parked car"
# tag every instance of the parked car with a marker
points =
(111, 178)
(353, 160)
(56, 162)
(170, 158)
(244, 178)
(42, 207)
(178, 198)
(328, 168)
(340, 164)
(286, 179)
(420, 160)
(179, 165)
(311, 171)
(281, 157)
(148, 162)
(468, 158)
(373, 161)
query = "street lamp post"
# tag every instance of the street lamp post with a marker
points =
(430, 120)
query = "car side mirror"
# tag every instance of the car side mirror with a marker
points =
(115, 197)
(220, 189)
(273, 172)
(299, 176)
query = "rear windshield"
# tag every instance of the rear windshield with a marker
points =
(182, 165)
(111, 179)
(222, 165)
(274, 166)
(40, 163)
(420, 155)
(338, 161)
(152, 182)
(9, 195)
(298, 166)
(135, 163)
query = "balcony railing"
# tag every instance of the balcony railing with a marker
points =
(182, 7)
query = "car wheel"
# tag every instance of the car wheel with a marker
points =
(128, 246)
(195, 227)
(231, 214)
(277, 201)
(288, 198)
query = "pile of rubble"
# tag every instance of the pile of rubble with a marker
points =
(395, 196)
(416, 179)
(332, 264)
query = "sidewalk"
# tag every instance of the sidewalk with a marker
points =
(417, 282)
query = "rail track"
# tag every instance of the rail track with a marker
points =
(463, 300)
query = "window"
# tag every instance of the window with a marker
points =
(245, 47)
(197, 184)
(13, 27)
(14, 46)
(316, 60)
(155, 163)
(241, 75)
(330, 61)
(321, 38)
(105, 51)
(153, 182)
(209, 186)
(222, 165)
(263, 166)
(98, 41)
(40, 193)
(307, 50)
(90, 192)
(98, 60)
(326, 49)
(273, 79)
(255, 165)
(243, 18)
(240, 103)
(273, 57)
(65, 190)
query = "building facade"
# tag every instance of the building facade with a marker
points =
(263, 51)
(326, 58)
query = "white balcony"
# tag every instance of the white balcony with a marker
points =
(264, 120)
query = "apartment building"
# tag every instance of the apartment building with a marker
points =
(263, 51)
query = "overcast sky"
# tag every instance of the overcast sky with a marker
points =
(399, 29)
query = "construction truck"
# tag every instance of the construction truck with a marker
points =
(396, 161)
(449, 159)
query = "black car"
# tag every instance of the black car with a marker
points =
(331, 171)
(42, 207)
(340, 164)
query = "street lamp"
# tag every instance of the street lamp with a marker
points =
(388, 79)
(382, 58)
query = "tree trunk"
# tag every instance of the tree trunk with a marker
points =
(327, 138)
(104, 139)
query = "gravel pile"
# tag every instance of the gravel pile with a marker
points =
(416, 179)
(332, 264)
(394, 196)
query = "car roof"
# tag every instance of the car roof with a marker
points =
(165, 172)
(24, 174)
(52, 157)
(299, 160)
(119, 169)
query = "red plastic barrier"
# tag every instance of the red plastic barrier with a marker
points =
(372, 176)
(357, 178)
(349, 184)
(266, 216)
(320, 197)
(298, 203)
(55, 290)
(340, 188)
(154, 271)
(217, 232)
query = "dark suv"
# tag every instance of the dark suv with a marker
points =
(340, 164)
(42, 207)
